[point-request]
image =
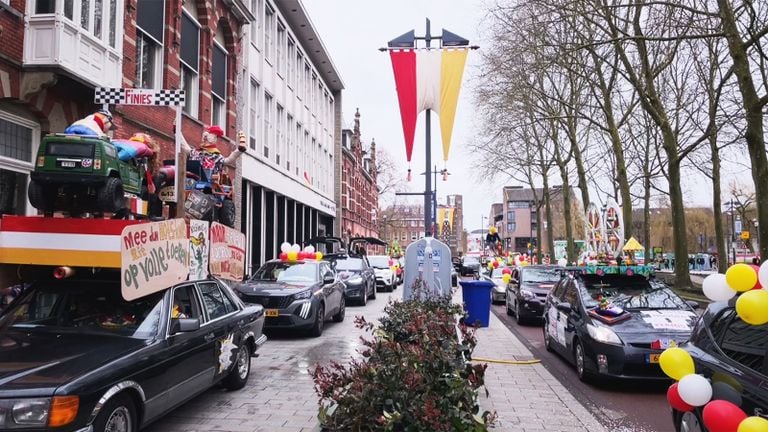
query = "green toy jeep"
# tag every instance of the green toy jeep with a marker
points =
(79, 174)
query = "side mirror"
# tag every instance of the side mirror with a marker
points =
(693, 304)
(328, 279)
(564, 307)
(184, 325)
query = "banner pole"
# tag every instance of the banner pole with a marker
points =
(180, 164)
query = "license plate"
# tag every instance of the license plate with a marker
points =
(68, 164)
(272, 312)
(653, 358)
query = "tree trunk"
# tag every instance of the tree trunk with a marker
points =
(647, 205)
(566, 191)
(753, 117)
(717, 207)
(538, 234)
(621, 166)
(679, 238)
(581, 174)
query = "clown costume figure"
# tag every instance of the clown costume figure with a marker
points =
(98, 124)
(208, 152)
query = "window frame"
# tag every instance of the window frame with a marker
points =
(222, 99)
(201, 301)
(257, 9)
(193, 97)
(255, 107)
(200, 308)
(268, 102)
(157, 71)
(269, 33)
(17, 165)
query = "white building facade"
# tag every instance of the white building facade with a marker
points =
(293, 110)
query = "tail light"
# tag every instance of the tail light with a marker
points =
(63, 272)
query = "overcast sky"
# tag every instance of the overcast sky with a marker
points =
(353, 30)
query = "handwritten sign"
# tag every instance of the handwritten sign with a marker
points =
(199, 205)
(154, 256)
(199, 243)
(227, 260)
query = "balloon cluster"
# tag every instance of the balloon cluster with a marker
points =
(394, 266)
(506, 275)
(292, 253)
(721, 398)
(751, 281)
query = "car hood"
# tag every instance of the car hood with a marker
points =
(649, 324)
(265, 288)
(41, 361)
(538, 287)
(382, 271)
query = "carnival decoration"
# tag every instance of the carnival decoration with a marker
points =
(614, 229)
(594, 229)
(96, 124)
(752, 304)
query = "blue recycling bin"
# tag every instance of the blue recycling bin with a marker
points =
(477, 301)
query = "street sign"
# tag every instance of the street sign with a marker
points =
(745, 235)
(737, 225)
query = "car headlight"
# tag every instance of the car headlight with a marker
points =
(303, 295)
(38, 412)
(603, 335)
(354, 280)
(527, 295)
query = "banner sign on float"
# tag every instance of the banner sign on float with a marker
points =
(199, 243)
(227, 259)
(154, 256)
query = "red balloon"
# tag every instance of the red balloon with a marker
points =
(758, 285)
(674, 399)
(722, 416)
(283, 256)
(506, 271)
(495, 264)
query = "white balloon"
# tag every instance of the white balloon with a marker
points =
(762, 275)
(310, 249)
(695, 390)
(562, 262)
(716, 288)
(295, 248)
(285, 247)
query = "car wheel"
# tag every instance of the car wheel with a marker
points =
(317, 328)
(110, 196)
(506, 306)
(42, 198)
(117, 415)
(238, 376)
(339, 317)
(580, 360)
(691, 422)
(227, 213)
(364, 298)
(518, 315)
(373, 293)
(547, 338)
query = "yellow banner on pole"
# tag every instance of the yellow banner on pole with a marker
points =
(451, 72)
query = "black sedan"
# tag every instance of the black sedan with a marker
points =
(358, 277)
(528, 289)
(732, 355)
(75, 356)
(296, 295)
(614, 325)
(470, 265)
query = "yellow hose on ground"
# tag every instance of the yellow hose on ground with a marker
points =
(508, 362)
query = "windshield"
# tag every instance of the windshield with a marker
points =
(86, 307)
(471, 260)
(540, 275)
(287, 272)
(351, 264)
(629, 292)
(69, 149)
(379, 262)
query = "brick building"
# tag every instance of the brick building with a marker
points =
(450, 223)
(402, 223)
(359, 193)
(54, 53)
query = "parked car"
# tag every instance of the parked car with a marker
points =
(625, 346)
(732, 354)
(400, 270)
(528, 289)
(385, 277)
(75, 356)
(299, 295)
(499, 291)
(358, 277)
(470, 265)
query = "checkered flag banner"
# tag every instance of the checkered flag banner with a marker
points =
(131, 96)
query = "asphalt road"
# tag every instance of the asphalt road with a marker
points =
(620, 406)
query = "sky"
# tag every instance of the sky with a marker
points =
(353, 30)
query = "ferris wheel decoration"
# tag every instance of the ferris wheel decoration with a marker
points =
(614, 229)
(594, 229)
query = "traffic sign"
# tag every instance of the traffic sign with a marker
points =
(745, 235)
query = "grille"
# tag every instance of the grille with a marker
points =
(271, 302)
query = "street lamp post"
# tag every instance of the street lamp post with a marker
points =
(732, 210)
(445, 175)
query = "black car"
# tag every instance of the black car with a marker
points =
(358, 277)
(470, 265)
(75, 356)
(732, 354)
(528, 289)
(627, 345)
(296, 295)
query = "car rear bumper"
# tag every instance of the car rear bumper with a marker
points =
(623, 362)
(72, 178)
(356, 292)
(498, 295)
(531, 309)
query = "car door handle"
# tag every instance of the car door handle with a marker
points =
(209, 337)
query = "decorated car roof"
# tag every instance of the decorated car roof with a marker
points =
(600, 270)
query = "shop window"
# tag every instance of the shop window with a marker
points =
(219, 86)
(190, 61)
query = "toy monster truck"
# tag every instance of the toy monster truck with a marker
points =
(84, 174)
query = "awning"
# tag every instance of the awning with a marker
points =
(632, 245)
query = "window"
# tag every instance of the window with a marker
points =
(511, 226)
(149, 42)
(190, 49)
(257, 7)
(45, 7)
(269, 33)
(255, 114)
(216, 303)
(291, 63)
(268, 132)
(289, 152)
(280, 47)
(511, 216)
(517, 204)
(185, 303)
(297, 143)
(69, 9)
(20, 140)
(219, 86)
(298, 80)
(279, 135)
(305, 85)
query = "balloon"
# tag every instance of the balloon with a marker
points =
(293, 256)
(562, 262)
(506, 277)
(752, 307)
(673, 397)
(722, 416)
(695, 390)
(723, 391)
(295, 248)
(762, 275)
(727, 379)
(283, 256)
(753, 424)
(391, 263)
(490, 266)
(506, 271)
(758, 284)
(716, 288)
(495, 264)
(523, 263)
(310, 249)
(285, 247)
(318, 256)
(741, 277)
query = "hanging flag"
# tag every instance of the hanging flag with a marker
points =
(428, 79)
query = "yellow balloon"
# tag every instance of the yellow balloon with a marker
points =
(741, 277)
(752, 307)
(753, 424)
(293, 256)
(319, 255)
(676, 363)
(490, 266)
(506, 277)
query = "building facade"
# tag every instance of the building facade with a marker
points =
(55, 53)
(403, 224)
(359, 194)
(450, 223)
(293, 111)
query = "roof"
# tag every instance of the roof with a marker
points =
(512, 193)
(296, 16)
(633, 245)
